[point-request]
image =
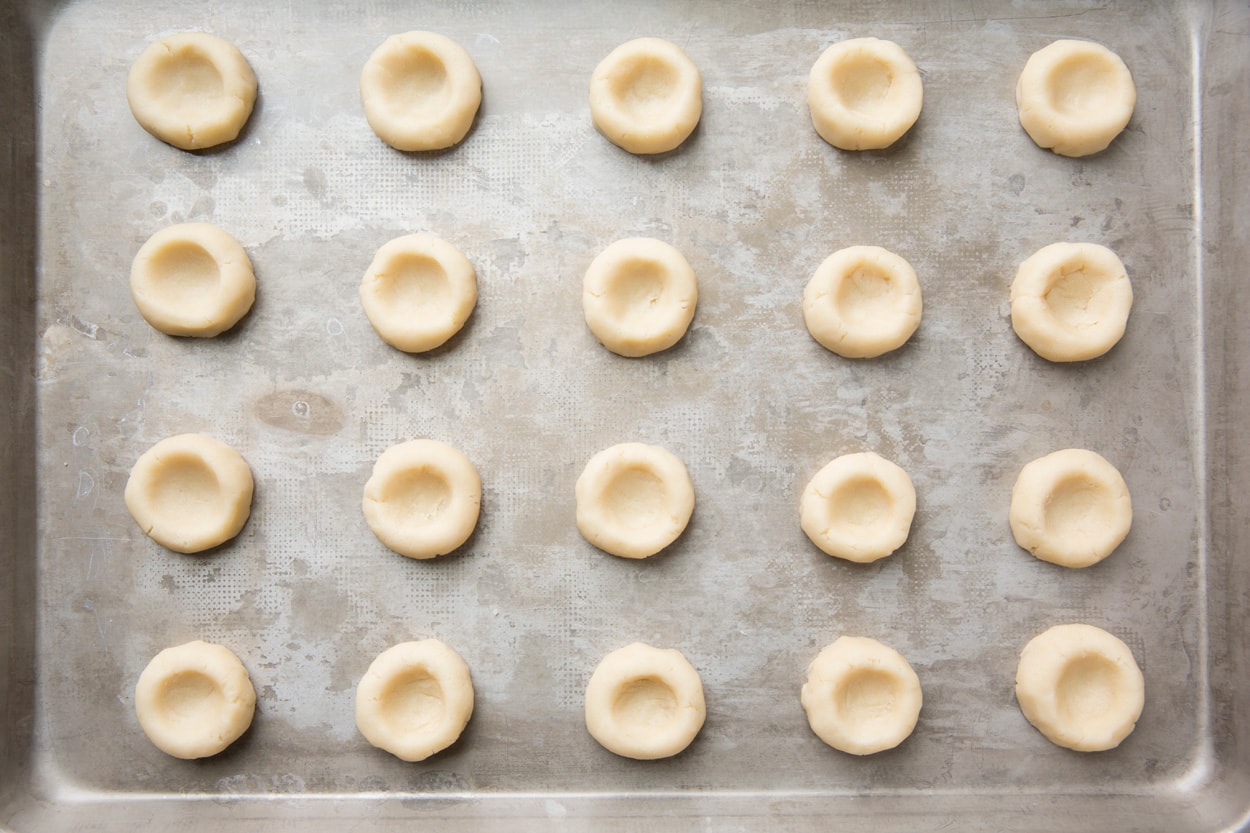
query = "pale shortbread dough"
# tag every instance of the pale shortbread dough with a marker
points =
(1080, 687)
(194, 700)
(646, 96)
(1070, 301)
(863, 301)
(190, 492)
(864, 94)
(1075, 97)
(192, 279)
(633, 499)
(861, 696)
(1071, 508)
(644, 702)
(418, 292)
(415, 699)
(421, 91)
(423, 498)
(639, 296)
(192, 90)
(858, 507)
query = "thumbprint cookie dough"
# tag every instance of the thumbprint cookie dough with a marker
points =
(639, 296)
(1080, 687)
(192, 279)
(646, 96)
(645, 703)
(415, 699)
(190, 492)
(191, 90)
(1075, 97)
(1071, 508)
(423, 498)
(418, 292)
(1070, 301)
(864, 94)
(861, 696)
(862, 302)
(421, 91)
(859, 507)
(633, 500)
(194, 700)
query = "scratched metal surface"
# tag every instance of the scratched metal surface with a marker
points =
(306, 391)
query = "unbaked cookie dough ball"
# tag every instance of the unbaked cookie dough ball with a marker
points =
(191, 90)
(190, 492)
(646, 96)
(1070, 301)
(415, 699)
(1075, 97)
(1080, 687)
(858, 507)
(863, 301)
(423, 498)
(861, 696)
(639, 296)
(418, 292)
(192, 279)
(864, 94)
(1071, 508)
(644, 702)
(633, 499)
(421, 91)
(194, 700)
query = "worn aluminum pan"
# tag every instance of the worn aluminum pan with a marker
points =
(755, 200)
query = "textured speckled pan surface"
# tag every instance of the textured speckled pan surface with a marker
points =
(310, 396)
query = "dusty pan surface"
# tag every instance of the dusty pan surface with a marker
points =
(755, 200)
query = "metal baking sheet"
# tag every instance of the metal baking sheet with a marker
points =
(310, 396)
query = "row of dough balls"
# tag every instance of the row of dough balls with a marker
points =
(191, 493)
(1069, 301)
(421, 91)
(1077, 684)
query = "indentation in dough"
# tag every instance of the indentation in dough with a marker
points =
(185, 488)
(416, 496)
(860, 502)
(1086, 689)
(189, 275)
(1078, 507)
(866, 695)
(1080, 297)
(185, 82)
(636, 498)
(1081, 86)
(646, 88)
(412, 701)
(645, 703)
(634, 292)
(416, 82)
(416, 283)
(189, 698)
(867, 294)
(863, 83)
